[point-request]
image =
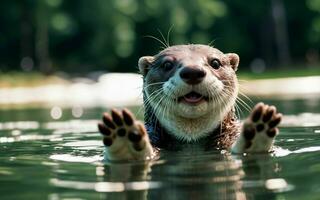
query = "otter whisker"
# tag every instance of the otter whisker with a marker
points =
(241, 80)
(168, 34)
(164, 39)
(158, 103)
(155, 107)
(241, 105)
(151, 97)
(246, 97)
(211, 43)
(221, 99)
(152, 84)
(165, 112)
(244, 104)
(208, 93)
(238, 111)
(156, 83)
(243, 94)
(144, 87)
(154, 92)
(226, 94)
(161, 42)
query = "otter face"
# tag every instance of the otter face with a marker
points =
(190, 88)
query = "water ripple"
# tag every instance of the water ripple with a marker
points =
(71, 158)
(106, 186)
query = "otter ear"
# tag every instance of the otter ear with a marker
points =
(144, 64)
(234, 60)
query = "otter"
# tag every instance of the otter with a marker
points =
(189, 93)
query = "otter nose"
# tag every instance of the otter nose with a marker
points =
(192, 75)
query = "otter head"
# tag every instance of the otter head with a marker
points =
(190, 88)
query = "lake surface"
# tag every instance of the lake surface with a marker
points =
(54, 153)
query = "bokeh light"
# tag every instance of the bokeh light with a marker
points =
(77, 111)
(56, 112)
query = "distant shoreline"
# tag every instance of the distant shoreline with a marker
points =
(124, 89)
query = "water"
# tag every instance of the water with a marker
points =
(57, 154)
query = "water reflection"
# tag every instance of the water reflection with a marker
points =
(72, 158)
(20, 125)
(106, 186)
(277, 184)
(206, 177)
(63, 160)
(209, 175)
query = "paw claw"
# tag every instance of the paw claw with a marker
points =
(116, 117)
(127, 117)
(257, 112)
(269, 113)
(103, 129)
(108, 121)
(275, 121)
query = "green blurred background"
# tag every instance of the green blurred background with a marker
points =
(81, 36)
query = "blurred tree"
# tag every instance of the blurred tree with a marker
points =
(281, 33)
(42, 37)
(79, 36)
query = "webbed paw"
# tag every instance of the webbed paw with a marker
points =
(124, 137)
(258, 130)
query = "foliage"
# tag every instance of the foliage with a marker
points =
(79, 36)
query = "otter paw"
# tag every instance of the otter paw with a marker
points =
(124, 137)
(259, 130)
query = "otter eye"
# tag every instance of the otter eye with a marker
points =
(215, 63)
(167, 65)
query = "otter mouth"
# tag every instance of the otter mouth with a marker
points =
(192, 98)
